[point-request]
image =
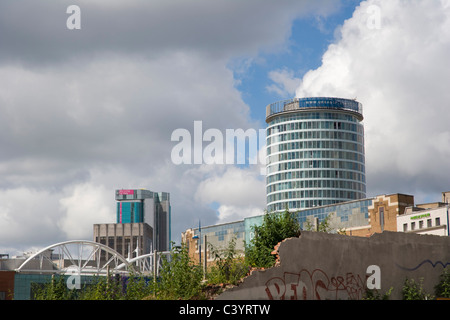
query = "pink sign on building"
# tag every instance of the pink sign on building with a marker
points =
(122, 192)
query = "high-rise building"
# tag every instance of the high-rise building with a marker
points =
(315, 153)
(143, 223)
(144, 206)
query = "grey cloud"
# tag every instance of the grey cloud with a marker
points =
(112, 111)
(96, 107)
(36, 33)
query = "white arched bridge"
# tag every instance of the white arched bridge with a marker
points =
(89, 258)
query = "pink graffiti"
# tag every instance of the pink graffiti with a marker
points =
(315, 285)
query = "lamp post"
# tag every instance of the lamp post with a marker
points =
(199, 239)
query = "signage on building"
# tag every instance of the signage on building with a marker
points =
(122, 192)
(420, 216)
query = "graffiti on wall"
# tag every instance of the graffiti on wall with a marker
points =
(424, 262)
(318, 285)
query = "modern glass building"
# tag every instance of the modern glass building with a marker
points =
(145, 206)
(342, 216)
(315, 153)
(349, 216)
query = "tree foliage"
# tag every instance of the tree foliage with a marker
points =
(413, 290)
(442, 289)
(229, 267)
(275, 228)
(180, 277)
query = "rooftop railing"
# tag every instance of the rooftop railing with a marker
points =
(314, 103)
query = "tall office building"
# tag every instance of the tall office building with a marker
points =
(143, 223)
(315, 153)
(152, 208)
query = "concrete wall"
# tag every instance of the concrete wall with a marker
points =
(330, 266)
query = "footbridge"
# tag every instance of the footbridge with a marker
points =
(89, 258)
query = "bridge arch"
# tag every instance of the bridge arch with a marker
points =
(80, 256)
(149, 263)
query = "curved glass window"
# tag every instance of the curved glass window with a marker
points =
(315, 153)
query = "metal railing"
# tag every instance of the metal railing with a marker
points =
(314, 103)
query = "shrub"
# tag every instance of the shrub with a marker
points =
(373, 294)
(442, 289)
(179, 277)
(413, 290)
(228, 266)
(275, 228)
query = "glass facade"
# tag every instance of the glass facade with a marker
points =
(129, 212)
(343, 216)
(222, 232)
(348, 214)
(145, 206)
(219, 236)
(315, 153)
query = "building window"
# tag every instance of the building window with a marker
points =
(429, 223)
(111, 242)
(405, 227)
(381, 213)
(438, 221)
(421, 224)
(413, 225)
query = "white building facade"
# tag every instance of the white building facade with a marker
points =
(426, 221)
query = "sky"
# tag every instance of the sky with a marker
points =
(86, 111)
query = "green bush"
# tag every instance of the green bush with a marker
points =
(413, 290)
(56, 289)
(228, 266)
(179, 277)
(373, 294)
(442, 289)
(275, 228)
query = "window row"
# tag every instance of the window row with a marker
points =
(324, 184)
(325, 144)
(315, 174)
(313, 205)
(326, 164)
(308, 125)
(415, 225)
(314, 115)
(320, 135)
(316, 154)
(344, 195)
(302, 204)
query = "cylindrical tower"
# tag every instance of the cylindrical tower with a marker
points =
(315, 153)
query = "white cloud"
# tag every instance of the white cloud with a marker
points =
(85, 206)
(399, 72)
(239, 191)
(28, 217)
(228, 213)
(285, 82)
(234, 186)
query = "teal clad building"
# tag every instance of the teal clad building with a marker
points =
(148, 207)
(130, 212)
